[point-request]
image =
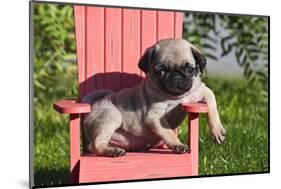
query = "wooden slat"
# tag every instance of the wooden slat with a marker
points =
(89, 40)
(131, 47)
(79, 12)
(94, 47)
(148, 26)
(98, 45)
(135, 173)
(178, 24)
(112, 48)
(148, 30)
(135, 166)
(165, 22)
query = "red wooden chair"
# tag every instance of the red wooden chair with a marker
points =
(109, 43)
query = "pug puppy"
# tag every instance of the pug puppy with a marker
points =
(139, 118)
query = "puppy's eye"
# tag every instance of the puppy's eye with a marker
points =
(190, 69)
(160, 73)
(160, 70)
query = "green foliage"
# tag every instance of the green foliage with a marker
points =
(200, 29)
(246, 36)
(55, 77)
(54, 47)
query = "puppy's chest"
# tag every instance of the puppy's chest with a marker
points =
(168, 105)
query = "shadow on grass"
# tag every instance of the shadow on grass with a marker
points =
(43, 177)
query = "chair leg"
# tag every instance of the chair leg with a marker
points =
(193, 138)
(74, 147)
(74, 174)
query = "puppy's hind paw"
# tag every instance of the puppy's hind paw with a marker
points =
(117, 152)
(180, 149)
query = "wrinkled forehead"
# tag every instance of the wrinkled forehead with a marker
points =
(175, 52)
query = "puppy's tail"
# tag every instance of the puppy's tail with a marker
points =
(95, 95)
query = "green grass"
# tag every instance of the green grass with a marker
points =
(243, 110)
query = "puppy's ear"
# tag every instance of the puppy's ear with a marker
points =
(147, 57)
(200, 60)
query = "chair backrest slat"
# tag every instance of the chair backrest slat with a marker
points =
(131, 35)
(110, 42)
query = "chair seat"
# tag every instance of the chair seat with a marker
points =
(156, 163)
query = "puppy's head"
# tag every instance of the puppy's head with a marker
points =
(173, 65)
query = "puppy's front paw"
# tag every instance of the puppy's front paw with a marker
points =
(117, 152)
(181, 148)
(218, 134)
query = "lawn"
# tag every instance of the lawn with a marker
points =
(244, 114)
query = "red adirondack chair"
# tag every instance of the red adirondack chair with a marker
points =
(109, 43)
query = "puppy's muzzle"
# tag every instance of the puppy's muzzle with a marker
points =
(177, 83)
(180, 81)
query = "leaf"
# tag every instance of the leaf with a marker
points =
(209, 38)
(253, 57)
(246, 68)
(247, 35)
(238, 52)
(262, 74)
(252, 78)
(211, 56)
(240, 58)
(226, 45)
(38, 84)
(249, 73)
(254, 50)
(208, 46)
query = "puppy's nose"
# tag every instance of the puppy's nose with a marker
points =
(177, 78)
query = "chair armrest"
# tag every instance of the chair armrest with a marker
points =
(71, 107)
(194, 107)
